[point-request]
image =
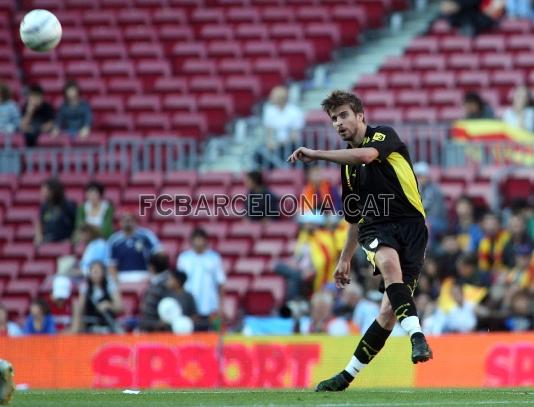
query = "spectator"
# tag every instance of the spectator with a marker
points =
(519, 240)
(7, 327)
(519, 9)
(319, 194)
(98, 304)
(520, 316)
(460, 318)
(491, 248)
(57, 214)
(96, 248)
(472, 17)
(60, 303)
(130, 250)
(205, 278)
(261, 203)
(40, 321)
(322, 319)
(433, 202)
(158, 267)
(520, 114)
(448, 255)
(9, 111)
(74, 116)
(96, 210)
(37, 116)
(175, 284)
(362, 311)
(312, 262)
(468, 273)
(469, 233)
(282, 122)
(476, 108)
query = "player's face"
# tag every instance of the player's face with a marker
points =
(349, 125)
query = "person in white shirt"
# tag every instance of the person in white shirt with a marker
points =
(520, 114)
(205, 278)
(282, 123)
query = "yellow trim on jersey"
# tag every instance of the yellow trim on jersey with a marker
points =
(407, 180)
(347, 175)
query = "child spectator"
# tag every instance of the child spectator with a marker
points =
(96, 210)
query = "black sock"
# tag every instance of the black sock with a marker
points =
(372, 342)
(401, 301)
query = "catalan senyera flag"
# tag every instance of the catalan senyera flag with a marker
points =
(510, 144)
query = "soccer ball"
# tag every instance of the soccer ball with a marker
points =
(40, 30)
(7, 387)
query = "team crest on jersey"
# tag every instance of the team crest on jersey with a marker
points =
(379, 137)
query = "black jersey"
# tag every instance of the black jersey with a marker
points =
(384, 190)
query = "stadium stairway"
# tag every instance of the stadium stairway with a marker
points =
(351, 63)
(235, 153)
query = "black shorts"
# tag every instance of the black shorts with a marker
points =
(407, 237)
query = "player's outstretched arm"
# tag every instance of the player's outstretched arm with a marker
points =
(342, 272)
(352, 156)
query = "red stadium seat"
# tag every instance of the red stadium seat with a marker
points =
(271, 72)
(253, 266)
(179, 103)
(273, 283)
(349, 20)
(259, 302)
(256, 32)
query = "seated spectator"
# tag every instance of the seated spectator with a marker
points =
(476, 108)
(319, 194)
(520, 317)
(282, 123)
(519, 240)
(98, 304)
(519, 9)
(130, 250)
(40, 321)
(491, 248)
(74, 116)
(433, 202)
(472, 17)
(521, 113)
(96, 248)
(175, 285)
(96, 210)
(57, 214)
(322, 319)
(7, 327)
(261, 203)
(60, 302)
(37, 116)
(448, 255)
(205, 278)
(158, 268)
(460, 318)
(468, 231)
(9, 111)
(362, 311)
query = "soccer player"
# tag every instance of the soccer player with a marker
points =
(382, 204)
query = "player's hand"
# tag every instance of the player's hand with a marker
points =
(342, 273)
(306, 155)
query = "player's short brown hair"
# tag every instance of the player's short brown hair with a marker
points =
(339, 98)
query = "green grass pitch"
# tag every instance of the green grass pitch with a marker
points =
(222, 398)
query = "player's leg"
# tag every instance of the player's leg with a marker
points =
(371, 343)
(400, 297)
